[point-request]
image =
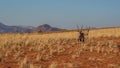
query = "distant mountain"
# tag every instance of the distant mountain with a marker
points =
(23, 29)
(46, 28)
(27, 27)
(12, 29)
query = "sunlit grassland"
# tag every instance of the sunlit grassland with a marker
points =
(46, 45)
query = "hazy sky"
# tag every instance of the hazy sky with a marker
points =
(60, 13)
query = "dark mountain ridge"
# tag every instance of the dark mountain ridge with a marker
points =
(26, 29)
(46, 28)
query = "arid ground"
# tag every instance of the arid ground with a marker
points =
(60, 50)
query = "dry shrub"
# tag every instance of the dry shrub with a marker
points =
(52, 44)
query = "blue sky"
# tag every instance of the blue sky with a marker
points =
(61, 13)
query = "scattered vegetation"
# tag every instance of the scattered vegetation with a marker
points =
(32, 50)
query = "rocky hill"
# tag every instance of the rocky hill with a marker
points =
(25, 29)
(46, 28)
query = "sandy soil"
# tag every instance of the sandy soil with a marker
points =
(86, 59)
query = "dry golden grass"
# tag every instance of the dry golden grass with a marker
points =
(48, 45)
(105, 32)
